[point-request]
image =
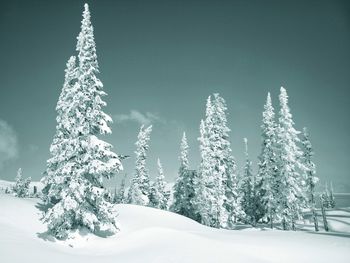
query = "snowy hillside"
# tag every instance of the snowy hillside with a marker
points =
(151, 235)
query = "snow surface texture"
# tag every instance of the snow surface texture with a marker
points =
(151, 235)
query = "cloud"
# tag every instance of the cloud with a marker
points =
(138, 117)
(8, 143)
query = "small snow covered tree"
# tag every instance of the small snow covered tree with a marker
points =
(158, 197)
(291, 184)
(86, 160)
(21, 187)
(325, 197)
(310, 170)
(216, 196)
(119, 197)
(331, 197)
(266, 185)
(139, 187)
(247, 189)
(184, 186)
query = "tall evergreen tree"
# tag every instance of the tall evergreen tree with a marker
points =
(310, 170)
(216, 190)
(291, 192)
(185, 184)
(247, 189)
(266, 181)
(139, 188)
(158, 197)
(86, 159)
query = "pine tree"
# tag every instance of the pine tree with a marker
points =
(119, 197)
(266, 184)
(21, 187)
(247, 189)
(86, 160)
(291, 192)
(332, 197)
(185, 184)
(139, 187)
(53, 181)
(216, 197)
(158, 194)
(325, 197)
(310, 175)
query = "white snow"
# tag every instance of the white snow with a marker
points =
(151, 235)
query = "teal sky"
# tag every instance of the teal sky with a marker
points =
(159, 61)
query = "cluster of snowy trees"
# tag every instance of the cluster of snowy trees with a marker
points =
(215, 194)
(282, 188)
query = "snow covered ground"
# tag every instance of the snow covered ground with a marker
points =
(151, 235)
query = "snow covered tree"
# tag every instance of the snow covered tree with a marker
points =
(158, 196)
(53, 181)
(325, 197)
(119, 197)
(291, 183)
(216, 196)
(184, 186)
(85, 159)
(332, 197)
(139, 187)
(247, 189)
(266, 185)
(21, 187)
(310, 170)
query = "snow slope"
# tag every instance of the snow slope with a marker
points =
(150, 235)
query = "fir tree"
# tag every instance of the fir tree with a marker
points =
(331, 197)
(216, 190)
(310, 175)
(86, 159)
(247, 189)
(291, 193)
(119, 197)
(21, 187)
(158, 194)
(185, 184)
(266, 184)
(139, 188)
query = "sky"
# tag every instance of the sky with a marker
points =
(160, 60)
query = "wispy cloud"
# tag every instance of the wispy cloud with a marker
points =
(138, 117)
(8, 143)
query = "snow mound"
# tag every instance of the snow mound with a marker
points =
(151, 235)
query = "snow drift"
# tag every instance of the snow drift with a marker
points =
(151, 235)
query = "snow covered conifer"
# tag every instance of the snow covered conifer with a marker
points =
(216, 190)
(119, 197)
(158, 195)
(86, 159)
(139, 187)
(247, 189)
(291, 183)
(184, 188)
(332, 197)
(21, 187)
(266, 184)
(311, 179)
